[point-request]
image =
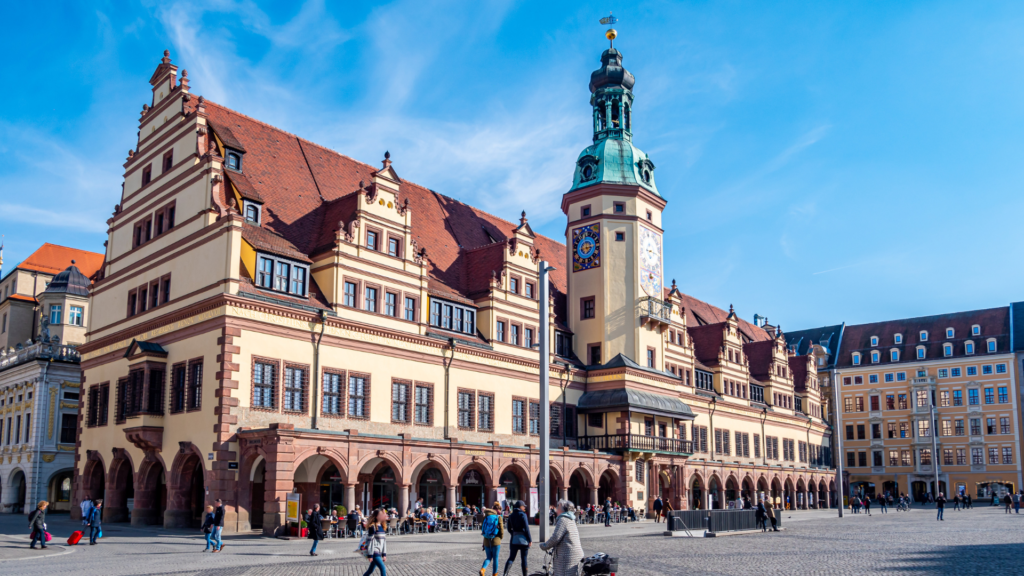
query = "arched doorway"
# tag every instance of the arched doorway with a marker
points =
(801, 503)
(578, 491)
(715, 492)
(834, 498)
(823, 499)
(431, 488)
(776, 493)
(697, 494)
(942, 488)
(747, 490)
(731, 492)
(384, 491)
(59, 491)
(471, 488)
(151, 499)
(187, 494)
(258, 496)
(510, 482)
(607, 487)
(763, 491)
(890, 488)
(120, 488)
(332, 488)
(17, 488)
(94, 480)
(789, 500)
(919, 489)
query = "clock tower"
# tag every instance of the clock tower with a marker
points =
(614, 233)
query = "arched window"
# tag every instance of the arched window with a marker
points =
(969, 347)
(950, 333)
(920, 352)
(947, 350)
(856, 358)
(874, 357)
(894, 355)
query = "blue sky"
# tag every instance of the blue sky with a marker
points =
(822, 161)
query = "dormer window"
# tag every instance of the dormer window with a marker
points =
(924, 335)
(949, 332)
(252, 211)
(898, 338)
(451, 316)
(874, 340)
(969, 347)
(947, 350)
(874, 357)
(992, 345)
(856, 359)
(234, 161)
(920, 352)
(894, 355)
(976, 330)
(281, 275)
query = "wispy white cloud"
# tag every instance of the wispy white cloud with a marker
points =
(86, 222)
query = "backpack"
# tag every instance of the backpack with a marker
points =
(490, 528)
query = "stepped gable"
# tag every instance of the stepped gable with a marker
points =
(308, 189)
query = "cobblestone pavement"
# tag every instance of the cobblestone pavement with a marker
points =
(980, 541)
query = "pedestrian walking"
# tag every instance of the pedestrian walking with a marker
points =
(867, 505)
(769, 511)
(520, 539)
(759, 517)
(657, 509)
(37, 523)
(86, 506)
(940, 504)
(218, 525)
(376, 548)
(607, 509)
(666, 511)
(1016, 503)
(956, 502)
(208, 521)
(95, 522)
(492, 530)
(970, 502)
(1007, 501)
(564, 542)
(882, 506)
(315, 524)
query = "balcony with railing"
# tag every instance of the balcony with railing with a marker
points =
(615, 443)
(654, 310)
(38, 351)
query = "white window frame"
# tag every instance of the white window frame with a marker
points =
(991, 345)
(969, 347)
(856, 358)
(976, 330)
(923, 335)
(947, 350)
(894, 355)
(898, 338)
(292, 264)
(58, 311)
(874, 341)
(921, 353)
(950, 333)
(875, 357)
(76, 315)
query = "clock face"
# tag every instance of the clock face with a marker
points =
(586, 247)
(650, 262)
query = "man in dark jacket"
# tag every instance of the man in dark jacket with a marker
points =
(314, 521)
(657, 509)
(218, 525)
(95, 521)
(519, 536)
(607, 509)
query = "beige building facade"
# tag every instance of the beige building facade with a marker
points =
(273, 318)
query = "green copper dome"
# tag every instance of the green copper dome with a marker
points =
(612, 158)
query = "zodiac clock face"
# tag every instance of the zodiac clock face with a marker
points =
(586, 247)
(650, 262)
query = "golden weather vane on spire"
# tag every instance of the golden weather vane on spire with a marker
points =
(611, 33)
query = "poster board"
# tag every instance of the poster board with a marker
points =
(534, 501)
(294, 505)
(500, 494)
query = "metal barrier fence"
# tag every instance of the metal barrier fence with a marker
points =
(717, 520)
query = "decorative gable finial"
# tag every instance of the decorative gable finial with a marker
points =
(184, 79)
(522, 218)
(387, 159)
(167, 57)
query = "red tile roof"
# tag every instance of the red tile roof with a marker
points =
(52, 259)
(759, 355)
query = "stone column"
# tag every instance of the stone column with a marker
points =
(593, 496)
(350, 497)
(562, 494)
(403, 499)
(450, 501)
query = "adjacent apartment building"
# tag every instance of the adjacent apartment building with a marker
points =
(275, 318)
(920, 395)
(43, 317)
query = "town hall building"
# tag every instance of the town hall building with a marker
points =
(275, 318)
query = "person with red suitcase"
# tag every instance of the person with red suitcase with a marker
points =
(37, 522)
(95, 522)
(75, 538)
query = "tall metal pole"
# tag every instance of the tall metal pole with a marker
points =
(837, 433)
(544, 357)
(935, 447)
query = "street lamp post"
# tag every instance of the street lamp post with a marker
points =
(935, 448)
(543, 329)
(837, 435)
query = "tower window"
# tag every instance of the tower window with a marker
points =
(650, 215)
(620, 207)
(585, 212)
(588, 172)
(620, 236)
